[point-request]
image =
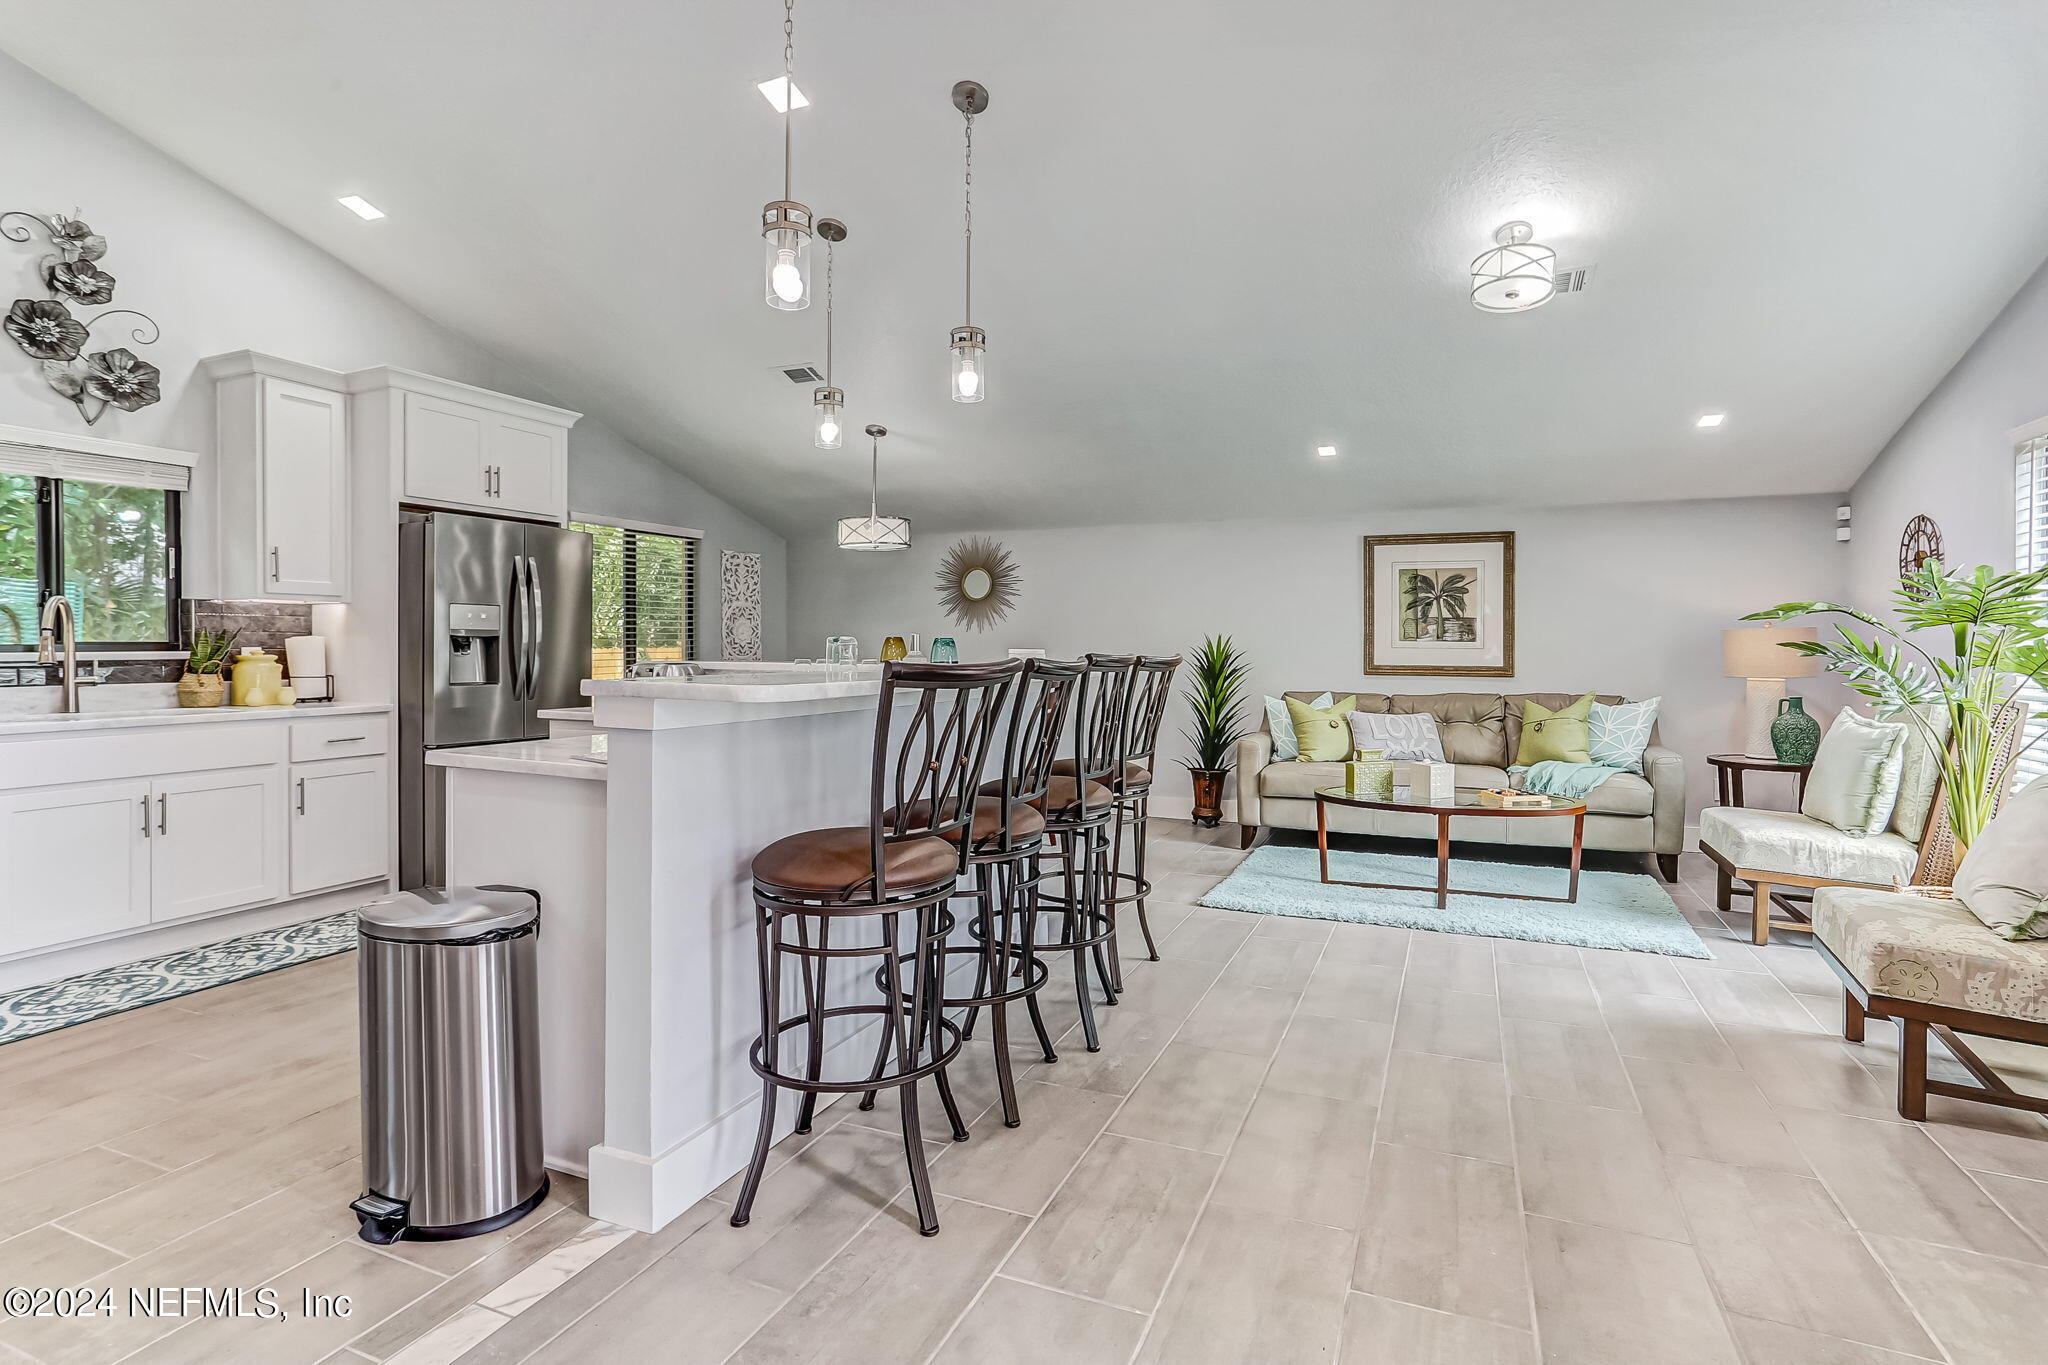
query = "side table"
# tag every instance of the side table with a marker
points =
(1729, 768)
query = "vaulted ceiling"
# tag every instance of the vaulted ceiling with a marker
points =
(1209, 235)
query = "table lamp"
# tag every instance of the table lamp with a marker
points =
(1754, 653)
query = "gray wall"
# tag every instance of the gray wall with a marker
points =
(1952, 460)
(219, 276)
(1627, 598)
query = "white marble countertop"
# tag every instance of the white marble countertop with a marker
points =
(579, 756)
(18, 723)
(746, 686)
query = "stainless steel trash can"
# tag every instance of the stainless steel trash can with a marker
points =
(450, 1062)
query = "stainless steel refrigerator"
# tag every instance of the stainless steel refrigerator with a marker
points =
(494, 627)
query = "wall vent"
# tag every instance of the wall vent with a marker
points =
(1571, 281)
(800, 374)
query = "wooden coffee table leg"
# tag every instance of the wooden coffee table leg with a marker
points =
(1323, 839)
(1443, 861)
(1578, 852)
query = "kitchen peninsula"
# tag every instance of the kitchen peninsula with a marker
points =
(639, 839)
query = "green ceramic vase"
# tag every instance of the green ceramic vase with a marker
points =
(1795, 736)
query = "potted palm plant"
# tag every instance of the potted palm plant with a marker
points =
(1215, 693)
(1995, 644)
(203, 683)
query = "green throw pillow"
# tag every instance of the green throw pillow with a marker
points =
(1322, 734)
(1556, 736)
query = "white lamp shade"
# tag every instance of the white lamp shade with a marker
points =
(1513, 277)
(1758, 652)
(874, 533)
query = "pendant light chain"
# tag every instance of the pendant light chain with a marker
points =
(829, 244)
(969, 217)
(788, 87)
(874, 476)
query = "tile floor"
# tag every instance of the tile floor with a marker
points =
(1300, 1142)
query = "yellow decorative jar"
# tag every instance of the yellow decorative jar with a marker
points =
(1368, 774)
(893, 649)
(258, 679)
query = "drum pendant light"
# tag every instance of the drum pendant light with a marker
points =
(874, 531)
(1517, 274)
(786, 224)
(969, 342)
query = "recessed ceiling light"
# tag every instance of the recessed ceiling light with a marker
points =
(1327, 452)
(771, 90)
(360, 207)
(1712, 419)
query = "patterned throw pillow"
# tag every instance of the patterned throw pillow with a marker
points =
(1281, 726)
(1617, 735)
(1400, 739)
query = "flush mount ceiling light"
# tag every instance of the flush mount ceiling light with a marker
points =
(772, 91)
(827, 399)
(360, 207)
(785, 223)
(1517, 274)
(874, 531)
(969, 342)
(1711, 419)
(1326, 452)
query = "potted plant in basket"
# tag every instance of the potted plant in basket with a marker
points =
(1215, 692)
(1997, 636)
(204, 683)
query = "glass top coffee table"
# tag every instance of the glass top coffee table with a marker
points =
(1465, 803)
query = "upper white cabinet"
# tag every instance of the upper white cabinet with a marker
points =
(281, 479)
(463, 447)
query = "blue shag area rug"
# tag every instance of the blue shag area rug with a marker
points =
(1614, 909)
(112, 990)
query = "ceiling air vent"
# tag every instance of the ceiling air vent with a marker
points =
(800, 374)
(1571, 281)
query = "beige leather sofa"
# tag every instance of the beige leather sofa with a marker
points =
(1480, 730)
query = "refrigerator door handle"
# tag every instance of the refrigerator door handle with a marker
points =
(539, 609)
(516, 656)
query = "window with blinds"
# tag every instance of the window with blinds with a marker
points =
(2030, 551)
(643, 597)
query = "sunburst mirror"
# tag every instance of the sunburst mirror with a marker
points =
(978, 582)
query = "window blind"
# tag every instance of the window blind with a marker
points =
(52, 462)
(643, 597)
(2030, 551)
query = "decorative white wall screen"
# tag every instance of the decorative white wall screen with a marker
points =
(740, 577)
(2030, 551)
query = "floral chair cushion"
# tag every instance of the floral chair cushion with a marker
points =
(1936, 951)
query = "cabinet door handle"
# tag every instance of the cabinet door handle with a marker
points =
(302, 794)
(273, 563)
(163, 814)
(344, 739)
(145, 817)
(497, 481)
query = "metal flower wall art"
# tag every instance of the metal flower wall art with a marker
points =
(978, 582)
(49, 332)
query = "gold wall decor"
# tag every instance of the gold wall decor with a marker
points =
(978, 582)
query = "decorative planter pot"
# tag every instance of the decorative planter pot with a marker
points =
(201, 689)
(1208, 795)
(1795, 736)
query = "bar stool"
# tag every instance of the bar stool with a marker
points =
(1131, 782)
(1079, 805)
(933, 728)
(1009, 833)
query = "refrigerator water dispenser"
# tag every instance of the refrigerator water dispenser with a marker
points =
(474, 636)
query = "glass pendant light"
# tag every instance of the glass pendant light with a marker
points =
(970, 343)
(1517, 274)
(786, 224)
(874, 531)
(827, 399)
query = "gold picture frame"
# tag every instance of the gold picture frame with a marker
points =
(1440, 605)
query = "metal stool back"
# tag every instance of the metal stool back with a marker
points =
(1151, 689)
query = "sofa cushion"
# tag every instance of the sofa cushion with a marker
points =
(1786, 841)
(1322, 734)
(1621, 794)
(1935, 951)
(1472, 725)
(1854, 782)
(1511, 739)
(1555, 734)
(2004, 880)
(1306, 779)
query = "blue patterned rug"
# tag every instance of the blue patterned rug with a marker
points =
(112, 990)
(1614, 909)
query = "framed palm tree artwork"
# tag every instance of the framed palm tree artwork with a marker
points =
(1441, 605)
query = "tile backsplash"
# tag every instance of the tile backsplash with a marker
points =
(262, 624)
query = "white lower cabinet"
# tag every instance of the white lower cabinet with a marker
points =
(217, 841)
(340, 823)
(77, 860)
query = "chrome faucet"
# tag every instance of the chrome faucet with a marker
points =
(59, 624)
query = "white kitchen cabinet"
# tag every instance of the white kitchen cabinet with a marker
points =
(452, 445)
(77, 860)
(340, 823)
(281, 480)
(218, 841)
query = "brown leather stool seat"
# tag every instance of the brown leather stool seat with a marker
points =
(1025, 822)
(1060, 797)
(1135, 774)
(839, 862)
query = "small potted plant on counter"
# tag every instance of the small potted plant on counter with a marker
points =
(1215, 693)
(203, 683)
